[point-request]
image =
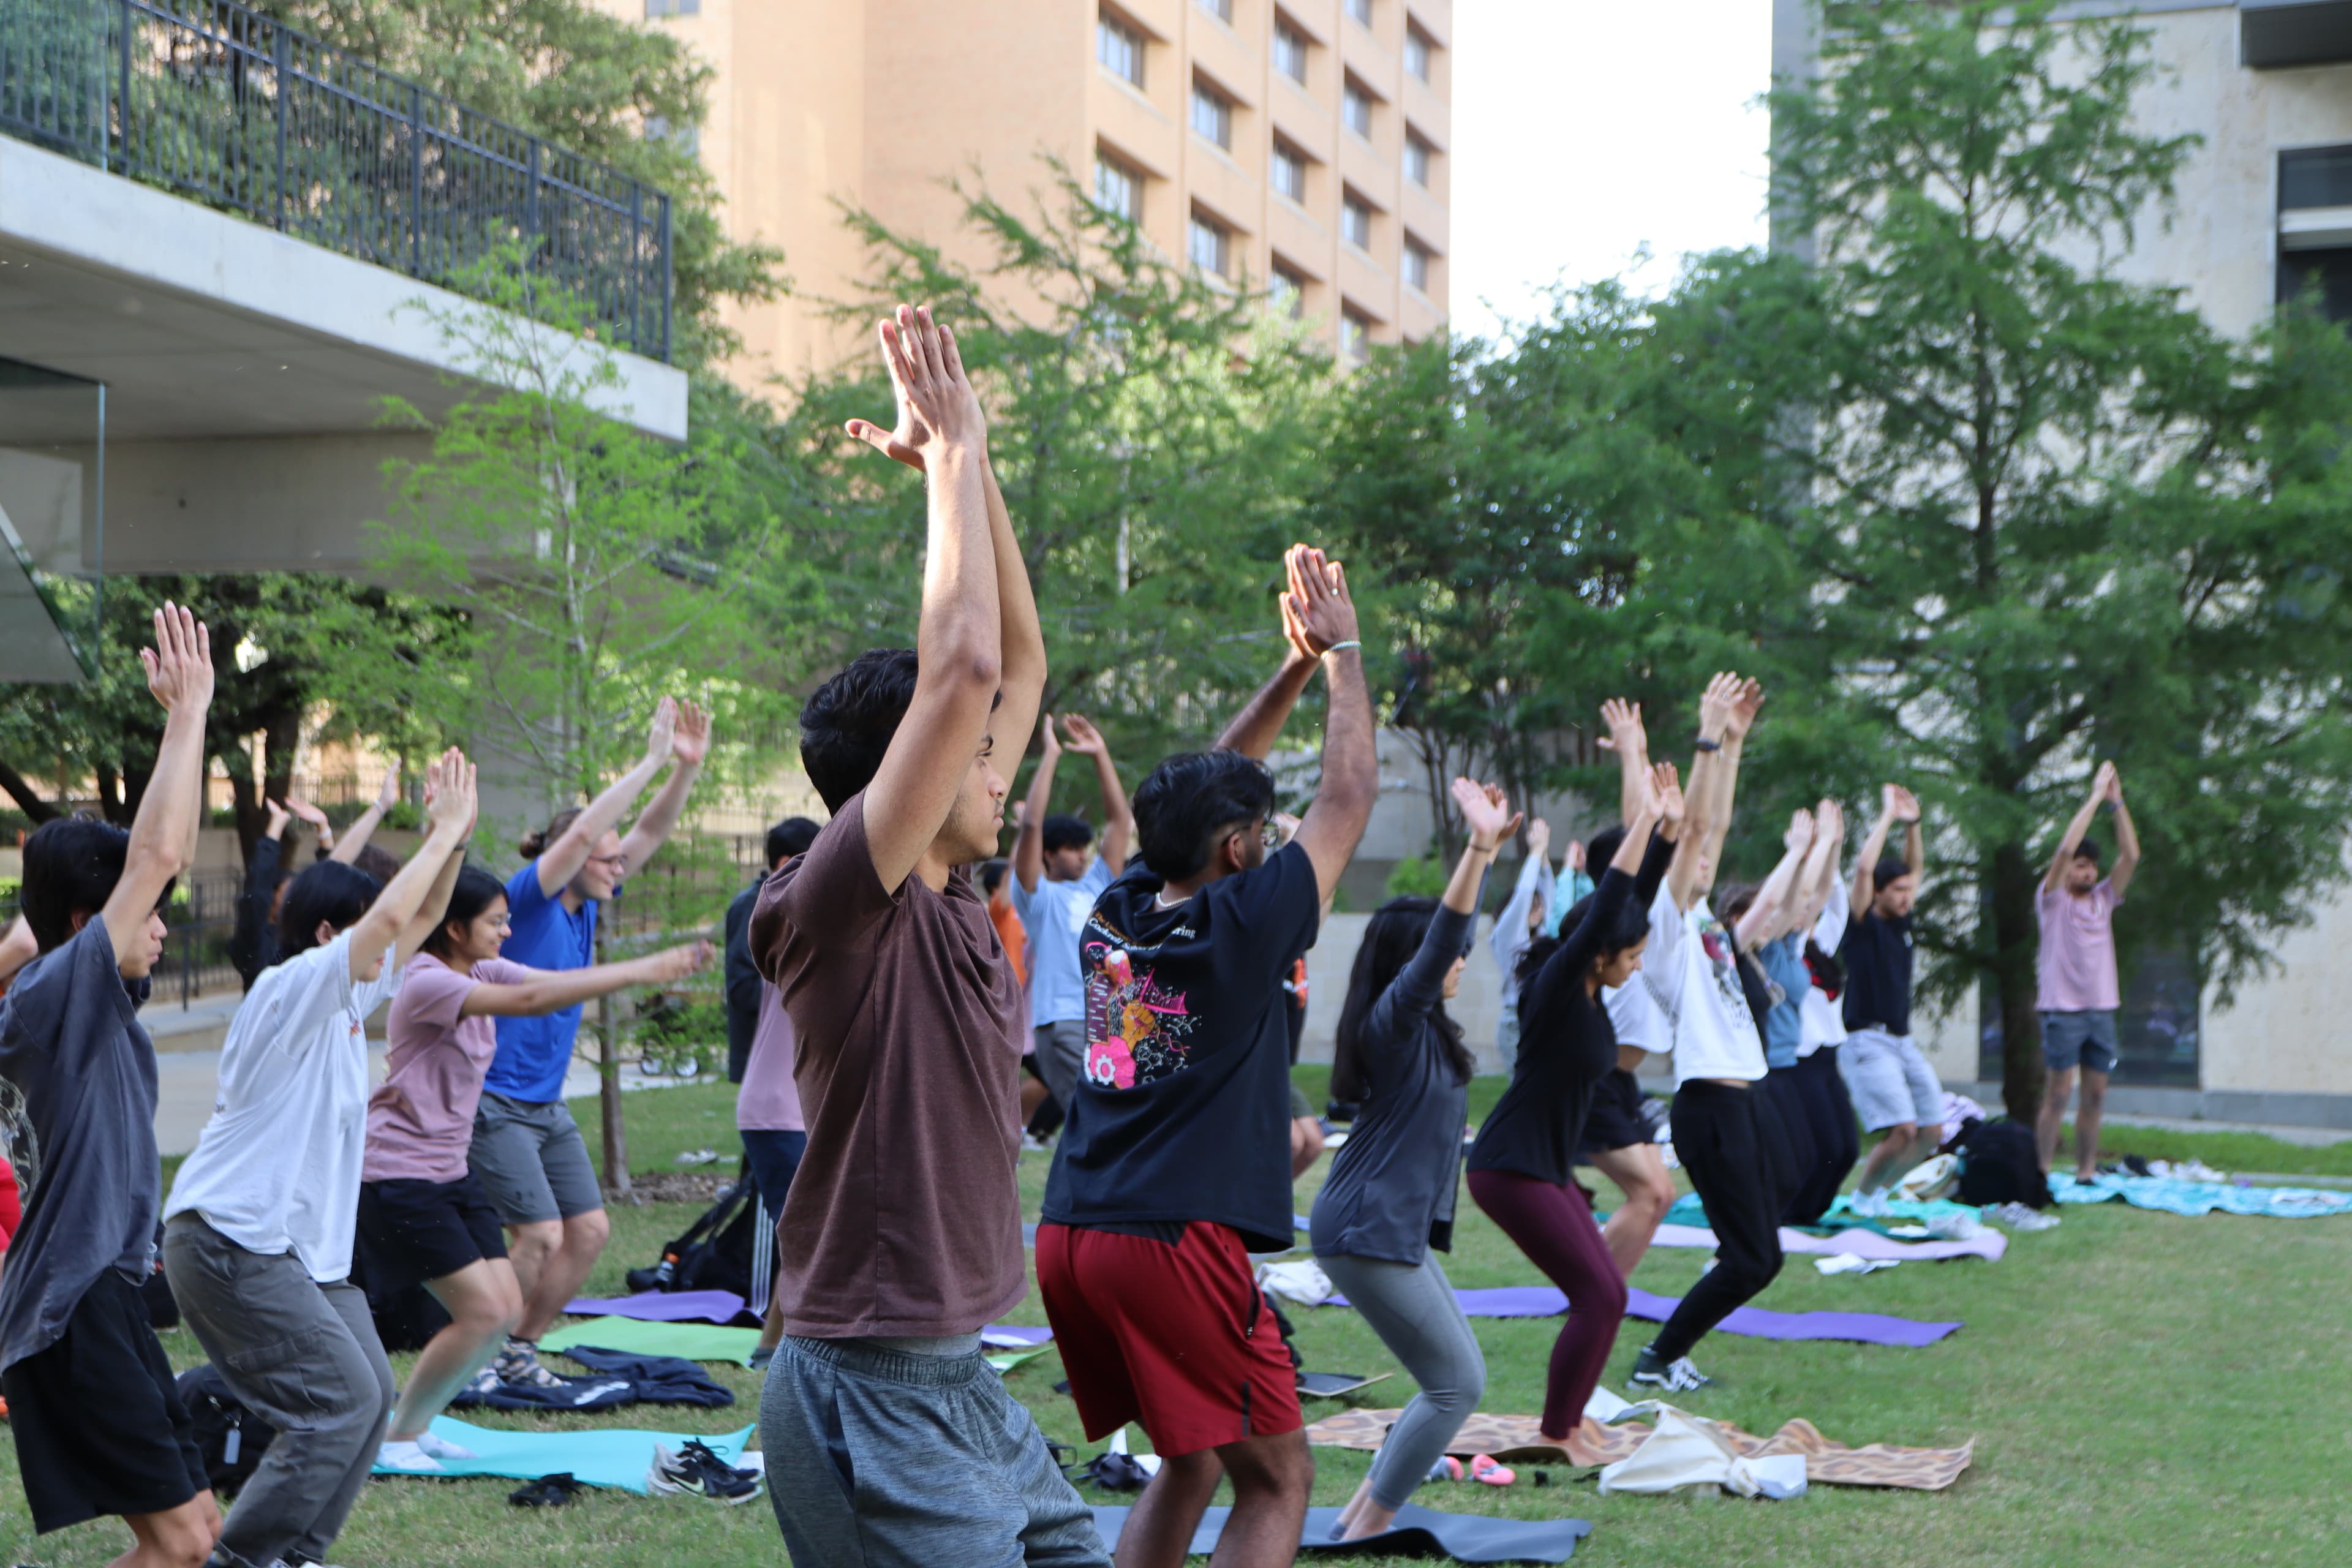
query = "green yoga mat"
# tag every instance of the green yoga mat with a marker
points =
(613, 1457)
(696, 1342)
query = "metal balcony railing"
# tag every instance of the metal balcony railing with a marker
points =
(222, 104)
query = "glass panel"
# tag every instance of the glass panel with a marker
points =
(1212, 116)
(1416, 54)
(52, 461)
(1357, 110)
(1208, 246)
(1120, 50)
(1290, 54)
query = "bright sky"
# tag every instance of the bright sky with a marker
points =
(1584, 129)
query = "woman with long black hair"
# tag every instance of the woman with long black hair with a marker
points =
(1519, 1168)
(1389, 1201)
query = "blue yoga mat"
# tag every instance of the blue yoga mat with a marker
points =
(609, 1456)
(2168, 1194)
(1465, 1537)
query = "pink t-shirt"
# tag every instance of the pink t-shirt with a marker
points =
(2077, 965)
(768, 1100)
(420, 1122)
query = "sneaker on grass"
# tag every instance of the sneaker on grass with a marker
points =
(518, 1364)
(1677, 1376)
(695, 1471)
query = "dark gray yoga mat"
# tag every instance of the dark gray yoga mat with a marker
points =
(1418, 1532)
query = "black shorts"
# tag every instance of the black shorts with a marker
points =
(415, 1231)
(97, 1423)
(1616, 1120)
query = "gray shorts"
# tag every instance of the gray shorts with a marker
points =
(1889, 1081)
(2085, 1040)
(531, 1160)
(1062, 1057)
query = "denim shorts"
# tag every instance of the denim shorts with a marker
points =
(2085, 1039)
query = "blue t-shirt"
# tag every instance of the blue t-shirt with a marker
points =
(534, 1052)
(1784, 966)
(1053, 917)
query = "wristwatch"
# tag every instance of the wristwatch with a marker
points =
(1703, 744)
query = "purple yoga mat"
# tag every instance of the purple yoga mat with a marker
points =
(1756, 1323)
(664, 1307)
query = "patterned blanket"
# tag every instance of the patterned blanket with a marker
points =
(1521, 1437)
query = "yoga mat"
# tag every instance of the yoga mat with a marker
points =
(2168, 1194)
(695, 1342)
(1990, 1245)
(1520, 1438)
(611, 1457)
(1755, 1322)
(1465, 1537)
(664, 1306)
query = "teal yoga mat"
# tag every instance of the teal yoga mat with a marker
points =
(608, 1457)
(696, 1341)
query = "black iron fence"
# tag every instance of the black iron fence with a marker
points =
(222, 104)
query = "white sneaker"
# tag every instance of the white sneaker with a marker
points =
(407, 1459)
(440, 1447)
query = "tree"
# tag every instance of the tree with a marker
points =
(600, 569)
(1989, 514)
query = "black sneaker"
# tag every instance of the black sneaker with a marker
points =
(694, 1470)
(1676, 1376)
(547, 1491)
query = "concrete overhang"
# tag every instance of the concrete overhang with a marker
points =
(2275, 33)
(245, 370)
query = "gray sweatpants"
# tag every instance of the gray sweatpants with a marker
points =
(877, 1456)
(1412, 1307)
(305, 1358)
(1062, 1057)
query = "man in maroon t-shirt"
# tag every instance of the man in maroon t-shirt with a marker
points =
(888, 1437)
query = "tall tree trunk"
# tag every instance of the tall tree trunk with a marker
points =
(2015, 939)
(614, 1129)
(28, 799)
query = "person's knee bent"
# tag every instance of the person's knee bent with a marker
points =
(1276, 1466)
(1606, 1296)
(536, 1239)
(1654, 1191)
(587, 1233)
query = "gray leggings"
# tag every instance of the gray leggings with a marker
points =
(1412, 1307)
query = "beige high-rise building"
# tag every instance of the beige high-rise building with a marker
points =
(1300, 145)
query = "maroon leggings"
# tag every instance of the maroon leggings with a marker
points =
(1554, 1227)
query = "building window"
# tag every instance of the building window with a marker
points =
(1117, 188)
(1209, 244)
(1119, 49)
(1286, 292)
(1290, 52)
(1416, 160)
(1213, 114)
(1416, 53)
(1355, 335)
(2314, 244)
(1356, 110)
(1416, 264)
(1362, 11)
(1356, 222)
(1222, 10)
(1289, 172)
(673, 8)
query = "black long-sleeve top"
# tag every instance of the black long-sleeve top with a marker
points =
(1567, 1044)
(253, 946)
(742, 983)
(1391, 1192)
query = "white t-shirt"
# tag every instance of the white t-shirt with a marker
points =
(276, 1169)
(1689, 973)
(1820, 1021)
(1636, 1017)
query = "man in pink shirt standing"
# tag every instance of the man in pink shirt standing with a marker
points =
(2079, 995)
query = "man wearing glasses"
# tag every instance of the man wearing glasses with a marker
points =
(527, 1152)
(1176, 1160)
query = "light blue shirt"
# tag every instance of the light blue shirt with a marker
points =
(1053, 916)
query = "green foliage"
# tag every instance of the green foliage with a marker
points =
(1417, 877)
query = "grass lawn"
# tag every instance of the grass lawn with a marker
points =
(2143, 1389)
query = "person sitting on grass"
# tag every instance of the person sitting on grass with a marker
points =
(888, 1437)
(1387, 1208)
(2075, 968)
(1056, 878)
(422, 1215)
(95, 1417)
(1176, 1160)
(1894, 1091)
(258, 1229)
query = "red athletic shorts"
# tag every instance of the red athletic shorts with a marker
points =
(1175, 1337)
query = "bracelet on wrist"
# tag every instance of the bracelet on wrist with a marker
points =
(1351, 642)
(1703, 744)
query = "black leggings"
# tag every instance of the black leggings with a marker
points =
(1818, 1089)
(1729, 1143)
(1786, 1104)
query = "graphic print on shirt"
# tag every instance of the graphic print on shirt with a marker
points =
(1715, 942)
(1138, 1031)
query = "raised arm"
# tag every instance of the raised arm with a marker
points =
(1509, 937)
(1724, 783)
(1629, 872)
(1029, 843)
(1683, 879)
(690, 743)
(318, 825)
(163, 834)
(1119, 821)
(959, 646)
(1326, 618)
(363, 828)
(1768, 917)
(1820, 869)
(254, 899)
(1258, 725)
(560, 861)
(1631, 743)
(1420, 985)
(17, 947)
(549, 991)
(410, 906)
(1896, 805)
(2077, 825)
(2126, 837)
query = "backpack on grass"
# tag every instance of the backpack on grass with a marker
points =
(718, 1251)
(2000, 1164)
